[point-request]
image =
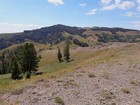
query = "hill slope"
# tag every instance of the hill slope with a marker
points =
(107, 74)
(81, 36)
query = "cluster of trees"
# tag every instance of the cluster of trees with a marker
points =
(23, 60)
(79, 43)
(113, 30)
(44, 35)
(66, 53)
(117, 38)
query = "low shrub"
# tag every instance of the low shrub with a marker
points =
(91, 75)
(27, 75)
(125, 90)
(59, 100)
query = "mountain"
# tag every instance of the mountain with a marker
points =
(80, 36)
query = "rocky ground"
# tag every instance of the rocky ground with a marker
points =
(109, 83)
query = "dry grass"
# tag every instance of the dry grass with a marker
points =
(108, 95)
(59, 101)
(82, 57)
(105, 75)
(134, 82)
(125, 90)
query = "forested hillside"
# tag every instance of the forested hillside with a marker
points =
(58, 33)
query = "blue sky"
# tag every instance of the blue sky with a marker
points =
(19, 15)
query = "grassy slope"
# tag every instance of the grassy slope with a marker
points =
(82, 57)
(66, 35)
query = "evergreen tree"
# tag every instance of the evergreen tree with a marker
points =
(59, 55)
(5, 59)
(15, 69)
(27, 75)
(28, 58)
(66, 52)
(3, 63)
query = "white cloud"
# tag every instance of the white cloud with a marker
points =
(92, 12)
(110, 7)
(106, 1)
(126, 5)
(138, 1)
(10, 28)
(138, 8)
(136, 24)
(82, 4)
(117, 1)
(129, 14)
(56, 2)
(132, 14)
(119, 4)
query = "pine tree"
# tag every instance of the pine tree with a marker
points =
(28, 58)
(59, 55)
(3, 63)
(5, 59)
(15, 69)
(66, 52)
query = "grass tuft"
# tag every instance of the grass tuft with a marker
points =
(59, 100)
(125, 90)
(91, 75)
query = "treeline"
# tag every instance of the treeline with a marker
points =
(23, 61)
(79, 43)
(19, 62)
(118, 38)
(113, 30)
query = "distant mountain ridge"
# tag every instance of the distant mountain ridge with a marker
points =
(80, 36)
(113, 29)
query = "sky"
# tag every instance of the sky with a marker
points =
(20, 15)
